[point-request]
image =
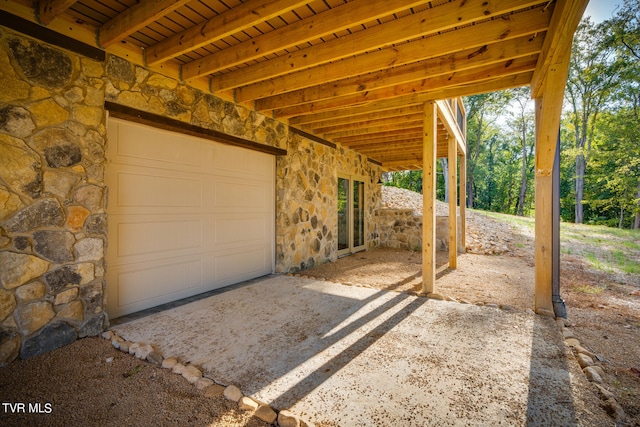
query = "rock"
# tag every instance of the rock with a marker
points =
(51, 337)
(72, 311)
(266, 414)
(214, 390)
(59, 182)
(604, 393)
(31, 291)
(65, 296)
(7, 304)
(42, 213)
(614, 410)
(9, 347)
(177, 368)
(580, 349)
(20, 166)
(142, 351)
(91, 327)
(169, 362)
(492, 305)
(584, 360)
(63, 155)
(599, 370)
(572, 342)
(592, 374)
(567, 333)
(287, 419)
(89, 196)
(203, 383)
(191, 374)
(120, 69)
(41, 65)
(232, 393)
(10, 203)
(61, 277)
(16, 121)
(116, 341)
(108, 335)
(17, 269)
(33, 316)
(155, 357)
(247, 404)
(76, 217)
(54, 246)
(89, 249)
(124, 346)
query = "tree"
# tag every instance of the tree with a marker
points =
(592, 78)
(522, 125)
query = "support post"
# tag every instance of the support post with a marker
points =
(463, 201)
(559, 306)
(429, 156)
(453, 202)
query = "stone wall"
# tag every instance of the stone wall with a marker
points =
(400, 228)
(306, 202)
(53, 199)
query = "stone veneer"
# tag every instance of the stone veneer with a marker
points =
(53, 199)
(401, 229)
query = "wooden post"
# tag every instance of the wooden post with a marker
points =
(453, 202)
(429, 156)
(463, 201)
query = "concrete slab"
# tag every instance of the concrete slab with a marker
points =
(350, 356)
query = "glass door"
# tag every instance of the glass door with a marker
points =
(351, 215)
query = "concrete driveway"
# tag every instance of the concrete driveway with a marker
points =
(351, 356)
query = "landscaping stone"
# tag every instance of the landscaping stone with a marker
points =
(572, 342)
(142, 351)
(266, 414)
(232, 393)
(287, 419)
(592, 374)
(567, 333)
(614, 409)
(124, 346)
(583, 350)
(51, 337)
(169, 362)
(214, 390)
(247, 404)
(191, 374)
(203, 383)
(154, 357)
(91, 327)
(177, 368)
(584, 360)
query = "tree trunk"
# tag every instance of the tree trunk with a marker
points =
(470, 192)
(523, 182)
(621, 218)
(636, 223)
(445, 173)
(580, 170)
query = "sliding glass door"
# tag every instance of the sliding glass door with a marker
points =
(351, 215)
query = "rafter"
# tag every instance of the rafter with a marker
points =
(437, 19)
(378, 122)
(48, 10)
(135, 18)
(334, 20)
(327, 119)
(511, 67)
(232, 21)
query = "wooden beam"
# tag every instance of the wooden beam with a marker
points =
(322, 119)
(448, 119)
(440, 18)
(557, 44)
(48, 10)
(503, 53)
(548, 111)
(429, 198)
(453, 202)
(369, 123)
(223, 25)
(463, 201)
(334, 20)
(134, 18)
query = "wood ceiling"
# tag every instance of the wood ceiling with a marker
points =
(353, 72)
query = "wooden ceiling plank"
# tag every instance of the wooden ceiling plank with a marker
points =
(312, 121)
(374, 130)
(218, 27)
(455, 79)
(48, 10)
(476, 36)
(461, 61)
(339, 18)
(135, 18)
(431, 21)
(327, 130)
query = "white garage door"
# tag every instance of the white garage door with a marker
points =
(186, 215)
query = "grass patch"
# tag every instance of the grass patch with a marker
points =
(591, 290)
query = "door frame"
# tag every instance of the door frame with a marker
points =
(351, 247)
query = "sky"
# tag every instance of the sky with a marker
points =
(599, 10)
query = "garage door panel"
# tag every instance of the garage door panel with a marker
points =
(147, 284)
(186, 215)
(233, 267)
(131, 145)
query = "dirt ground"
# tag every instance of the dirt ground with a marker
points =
(91, 383)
